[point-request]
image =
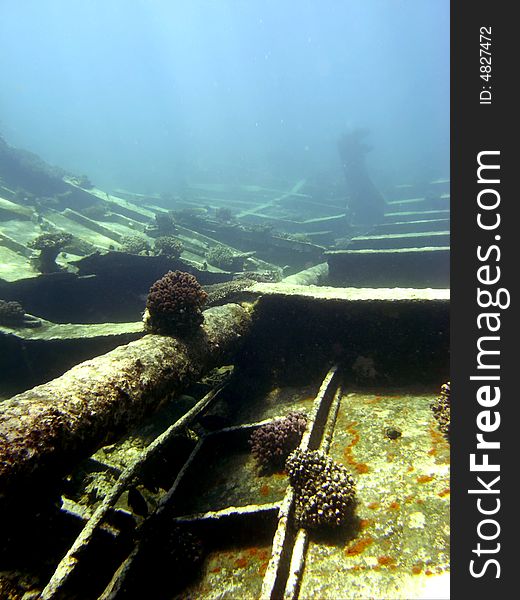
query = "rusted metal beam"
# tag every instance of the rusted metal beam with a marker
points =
(277, 570)
(48, 429)
(69, 562)
(301, 541)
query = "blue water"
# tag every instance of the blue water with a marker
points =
(149, 94)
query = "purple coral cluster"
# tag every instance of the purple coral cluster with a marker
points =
(271, 444)
(441, 408)
(324, 489)
(174, 304)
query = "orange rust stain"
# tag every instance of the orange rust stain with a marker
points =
(428, 572)
(432, 452)
(424, 478)
(348, 454)
(263, 555)
(416, 569)
(394, 506)
(241, 562)
(216, 570)
(355, 436)
(362, 468)
(252, 551)
(358, 547)
(435, 435)
(385, 561)
(419, 501)
(439, 443)
(263, 568)
(265, 490)
(364, 523)
(374, 400)
(373, 505)
(409, 499)
(444, 492)
(410, 468)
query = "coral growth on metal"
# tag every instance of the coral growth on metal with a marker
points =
(271, 444)
(220, 256)
(324, 489)
(167, 245)
(174, 304)
(441, 408)
(11, 312)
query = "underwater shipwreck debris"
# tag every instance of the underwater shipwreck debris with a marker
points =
(224, 214)
(12, 314)
(137, 502)
(174, 304)
(393, 433)
(163, 224)
(20, 168)
(82, 181)
(169, 555)
(228, 291)
(23, 197)
(97, 211)
(259, 276)
(49, 245)
(227, 259)
(221, 257)
(135, 244)
(139, 467)
(47, 430)
(272, 443)
(364, 368)
(167, 245)
(324, 489)
(366, 203)
(441, 408)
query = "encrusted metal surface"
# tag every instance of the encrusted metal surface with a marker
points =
(277, 569)
(396, 547)
(224, 473)
(66, 567)
(400, 546)
(277, 402)
(231, 573)
(351, 294)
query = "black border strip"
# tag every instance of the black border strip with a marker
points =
(476, 128)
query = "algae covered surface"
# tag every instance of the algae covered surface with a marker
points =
(224, 477)
(400, 548)
(231, 573)
(398, 543)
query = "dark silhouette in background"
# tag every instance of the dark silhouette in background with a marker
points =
(366, 204)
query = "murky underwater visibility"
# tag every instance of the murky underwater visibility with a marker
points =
(224, 352)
